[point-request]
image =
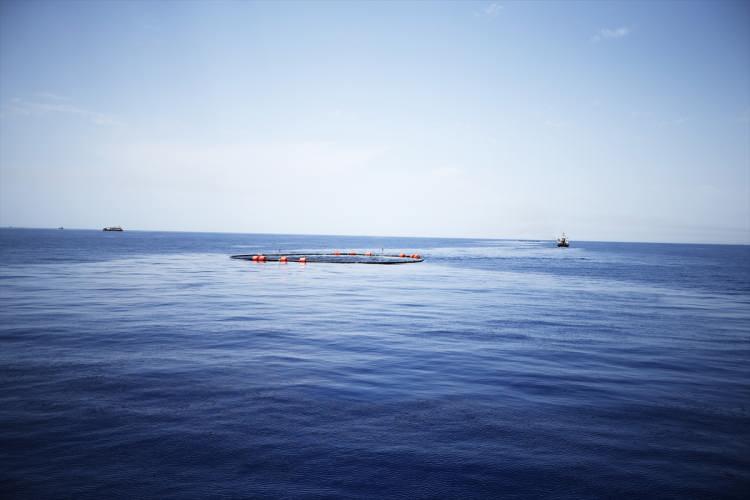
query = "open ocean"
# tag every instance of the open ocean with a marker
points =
(151, 365)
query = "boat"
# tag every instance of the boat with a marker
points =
(112, 228)
(563, 241)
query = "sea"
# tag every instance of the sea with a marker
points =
(151, 365)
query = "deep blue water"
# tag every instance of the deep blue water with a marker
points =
(150, 365)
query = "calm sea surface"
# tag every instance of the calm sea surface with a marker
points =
(150, 365)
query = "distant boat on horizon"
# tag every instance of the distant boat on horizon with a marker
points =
(563, 241)
(112, 228)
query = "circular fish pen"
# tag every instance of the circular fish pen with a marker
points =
(333, 258)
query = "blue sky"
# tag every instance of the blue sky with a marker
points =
(611, 121)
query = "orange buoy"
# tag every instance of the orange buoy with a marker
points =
(283, 259)
(352, 253)
(402, 255)
(417, 256)
(261, 258)
(369, 254)
(255, 258)
(336, 253)
(303, 260)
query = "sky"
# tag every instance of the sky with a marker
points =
(611, 121)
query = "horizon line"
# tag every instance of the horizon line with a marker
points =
(376, 236)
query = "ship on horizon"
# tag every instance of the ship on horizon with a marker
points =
(112, 228)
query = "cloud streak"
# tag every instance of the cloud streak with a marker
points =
(52, 104)
(611, 34)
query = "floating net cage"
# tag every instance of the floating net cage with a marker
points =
(333, 258)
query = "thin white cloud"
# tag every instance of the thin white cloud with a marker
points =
(611, 33)
(50, 96)
(488, 11)
(493, 9)
(47, 103)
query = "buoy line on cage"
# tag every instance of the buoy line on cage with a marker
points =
(333, 257)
